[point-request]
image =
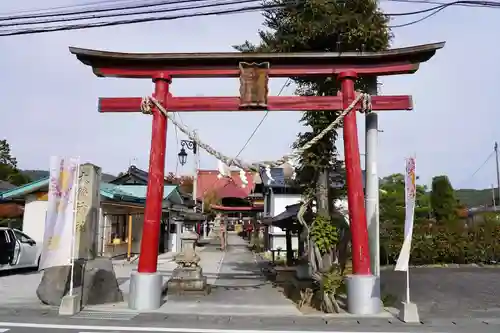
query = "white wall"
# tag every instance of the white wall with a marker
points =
(34, 218)
(280, 201)
(277, 235)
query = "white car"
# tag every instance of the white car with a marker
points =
(18, 250)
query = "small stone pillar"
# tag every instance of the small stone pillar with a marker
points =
(188, 275)
(179, 224)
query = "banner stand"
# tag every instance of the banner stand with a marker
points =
(71, 304)
(408, 312)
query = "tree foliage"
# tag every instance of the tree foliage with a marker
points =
(321, 26)
(185, 183)
(443, 201)
(392, 200)
(8, 166)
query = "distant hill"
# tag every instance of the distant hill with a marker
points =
(475, 198)
(35, 175)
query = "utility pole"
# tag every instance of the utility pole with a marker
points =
(372, 189)
(493, 195)
(498, 169)
(196, 167)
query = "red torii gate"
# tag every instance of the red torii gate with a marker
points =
(162, 68)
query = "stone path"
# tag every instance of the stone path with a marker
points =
(239, 289)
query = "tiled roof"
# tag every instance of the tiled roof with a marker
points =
(223, 187)
(170, 192)
(111, 191)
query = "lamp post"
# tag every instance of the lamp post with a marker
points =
(190, 145)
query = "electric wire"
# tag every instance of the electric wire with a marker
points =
(480, 168)
(134, 21)
(286, 84)
(434, 10)
(164, 10)
(427, 2)
(85, 4)
(96, 10)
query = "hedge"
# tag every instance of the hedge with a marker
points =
(443, 243)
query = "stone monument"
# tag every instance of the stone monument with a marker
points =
(94, 279)
(188, 275)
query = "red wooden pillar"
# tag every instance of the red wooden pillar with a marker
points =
(148, 259)
(355, 196)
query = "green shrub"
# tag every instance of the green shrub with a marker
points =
(444, 243)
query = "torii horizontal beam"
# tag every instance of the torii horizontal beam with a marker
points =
(277, 72)
(278, 103)
(301, 64)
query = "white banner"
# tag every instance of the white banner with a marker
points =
(60, 219)
(410, 194)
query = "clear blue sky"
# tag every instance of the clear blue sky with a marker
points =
(49, 98)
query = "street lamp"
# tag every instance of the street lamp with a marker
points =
(193, 146)
(190, 145)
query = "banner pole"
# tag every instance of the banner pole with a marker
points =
(73, 229)
(408, 284)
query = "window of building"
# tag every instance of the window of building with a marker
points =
(119, 227)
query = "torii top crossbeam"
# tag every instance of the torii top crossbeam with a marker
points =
(197, 65)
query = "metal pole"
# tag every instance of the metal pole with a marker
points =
(498, 169)
(493, 195)
(372, 185)
(196, 166)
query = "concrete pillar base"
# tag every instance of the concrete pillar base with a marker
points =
(70, 305)
(145, 291)
(363, 296)
(408, 313)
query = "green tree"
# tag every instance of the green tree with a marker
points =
(321, 26)
(392, 200)
(443, 202)
(8, 166)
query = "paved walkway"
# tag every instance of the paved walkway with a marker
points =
(240, 288)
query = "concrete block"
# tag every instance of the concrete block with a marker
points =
(409, 313)
(70, 305)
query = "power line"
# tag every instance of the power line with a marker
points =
(95, 10)
(137, 20)
(434, 10)
(85, 4)
(165, 10)
(286, 84)
(480, 167)
(416, 2)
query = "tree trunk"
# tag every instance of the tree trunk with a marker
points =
(322, 200)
